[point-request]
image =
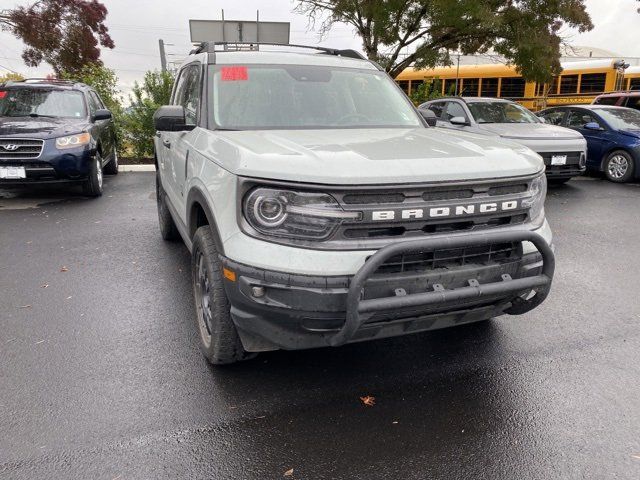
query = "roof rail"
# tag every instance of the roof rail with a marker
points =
(212, 47)
(57, 81)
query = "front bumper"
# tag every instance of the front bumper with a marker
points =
(274, 310)
(52, 166)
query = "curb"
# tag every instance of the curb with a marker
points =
(136, 168)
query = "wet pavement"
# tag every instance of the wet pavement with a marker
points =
(101, 376)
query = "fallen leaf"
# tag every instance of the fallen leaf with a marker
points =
(369, 401)
(64, 269)
(24, 306)
(69, 297)
(288, 473)
(46, 285)
(637, 457)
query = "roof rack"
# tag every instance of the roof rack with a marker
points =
(211, 47)
(56, 81)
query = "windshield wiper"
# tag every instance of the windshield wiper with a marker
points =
(36, 115)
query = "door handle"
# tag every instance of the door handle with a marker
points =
(166, 143)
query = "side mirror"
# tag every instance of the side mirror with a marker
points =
(593, 126)
(461, 121)
(102, 114)
(171, 118)
(429, 116)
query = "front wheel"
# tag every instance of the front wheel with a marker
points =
(618, 167)
(219, 340)
(92, 186)
(111, 168)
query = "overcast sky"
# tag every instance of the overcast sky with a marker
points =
(137, 25)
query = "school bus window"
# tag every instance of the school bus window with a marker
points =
(415, 84)
(568, 84)
(404, 85)
(554, 86)
(489, 87)
(634, 83)
(512, 87)
(592, 82)
(470, 87)
(450, 86)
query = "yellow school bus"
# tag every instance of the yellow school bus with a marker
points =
(632, 78)
(580, 82)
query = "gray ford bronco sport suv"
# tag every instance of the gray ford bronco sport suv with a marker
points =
(320, 207)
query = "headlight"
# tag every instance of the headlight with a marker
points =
(285, 213)
(73, 141)
(537, 192)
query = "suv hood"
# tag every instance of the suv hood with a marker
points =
(40, 127)
(530, 131)
(367, 156)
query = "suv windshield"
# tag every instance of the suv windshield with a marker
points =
(621, 118)
(306, 97)
(500, 112)
(38, 102)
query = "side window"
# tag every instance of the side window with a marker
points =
(454, 109)
(96, 98)
(607, 100)
(579, 118)
(93, 105)
(436, 108)
(188, 93)
(554, 117)
(634, 102)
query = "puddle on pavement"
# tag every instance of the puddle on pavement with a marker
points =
(17, 200)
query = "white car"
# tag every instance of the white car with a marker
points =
(563, 150)
(320, 208)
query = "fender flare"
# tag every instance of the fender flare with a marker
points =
(196, 196)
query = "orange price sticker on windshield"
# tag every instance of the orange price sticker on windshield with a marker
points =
(3, 93)
(234, 74)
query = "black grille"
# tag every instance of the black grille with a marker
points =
(459, 257)
(20, 148)
(573, 158)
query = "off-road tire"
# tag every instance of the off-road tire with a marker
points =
(613, 166)
(92, 186)
(168, 229)
(219, 340)
(111, 168)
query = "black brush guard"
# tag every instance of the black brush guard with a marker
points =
(540, 283)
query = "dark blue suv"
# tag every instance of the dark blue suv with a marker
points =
(612, 134)
(55, 131)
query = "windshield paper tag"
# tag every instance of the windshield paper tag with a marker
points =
(3, 93)
(234, 74)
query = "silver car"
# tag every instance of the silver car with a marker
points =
(563, 150)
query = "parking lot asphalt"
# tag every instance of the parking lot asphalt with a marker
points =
(101, 376)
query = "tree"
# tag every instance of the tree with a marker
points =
(146, 98)
(64, 33)
(525, 32)
(428, 90)
(10, 76)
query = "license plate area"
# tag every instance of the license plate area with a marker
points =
(13, 173)
(558, 160)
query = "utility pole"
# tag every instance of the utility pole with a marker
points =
(163, 56)
(458, 75)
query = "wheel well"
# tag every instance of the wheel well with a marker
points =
(197, 217)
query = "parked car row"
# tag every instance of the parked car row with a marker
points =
(603, 137)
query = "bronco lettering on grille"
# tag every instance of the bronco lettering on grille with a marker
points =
(445, 211)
